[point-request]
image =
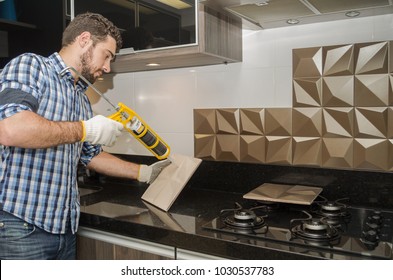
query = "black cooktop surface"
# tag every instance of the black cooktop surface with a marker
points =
(325, 229)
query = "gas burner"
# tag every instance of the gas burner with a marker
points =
(334, 211)
(315, 230)
(242, 219)
(266, 206)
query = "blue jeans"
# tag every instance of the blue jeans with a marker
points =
(23, 241)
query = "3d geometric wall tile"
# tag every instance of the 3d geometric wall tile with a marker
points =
(252, 148)
(228, 147)
(252, 121)
(338, 60)
(227, 121)
(337, 152)
(371, 122)
(371, 58)
(307, 62)
(337, 122)
(338, 91)
(205, 121)
(372, 90)
(307, 92)
(278, 121)
(279, 149)
(307, 151)
(205, 146)
(307, 122)
(371, 154)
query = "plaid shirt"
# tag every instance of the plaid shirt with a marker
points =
(40, 185)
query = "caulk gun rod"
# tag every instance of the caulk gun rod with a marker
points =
(93, 87)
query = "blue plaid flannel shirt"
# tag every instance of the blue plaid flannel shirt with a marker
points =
(40, 185)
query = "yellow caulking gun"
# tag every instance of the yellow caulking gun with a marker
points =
(132, 122)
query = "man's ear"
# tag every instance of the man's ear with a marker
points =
(84, 39)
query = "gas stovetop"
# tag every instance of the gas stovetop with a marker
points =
(324, 229)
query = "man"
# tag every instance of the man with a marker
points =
(46, 128)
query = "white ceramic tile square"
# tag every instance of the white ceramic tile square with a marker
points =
(115, 87)
(283, 87)
(383, 26)
(258, 48)
(180, 143)
(165, 100)
(251, 87)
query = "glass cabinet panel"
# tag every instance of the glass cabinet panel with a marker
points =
(147, 24)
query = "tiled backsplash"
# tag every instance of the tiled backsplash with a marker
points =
(342, 115)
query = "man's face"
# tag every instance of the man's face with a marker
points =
(96, 60)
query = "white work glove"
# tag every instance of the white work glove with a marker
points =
(148, 173)
(101, 130)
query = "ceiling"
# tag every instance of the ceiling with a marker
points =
(264, 14)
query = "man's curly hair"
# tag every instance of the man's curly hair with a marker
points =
(98, 26)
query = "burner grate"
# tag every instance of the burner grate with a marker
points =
(244, 219)
(315, 230)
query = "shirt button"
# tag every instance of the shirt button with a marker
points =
(25, 225)
(1, 225)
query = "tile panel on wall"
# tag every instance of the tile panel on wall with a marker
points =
(278, 121)
(252, 121)
(227, 121)
(307, 151)
(371, 58)
(307, 92)
(371, 122)
(341, 115)
(338, 91)
(307, 122)
(307, 62)
(337, 122)
(252, 148)
(338, 60)
(337, 153)
(371, 154)
(372, 90)
(279, 149)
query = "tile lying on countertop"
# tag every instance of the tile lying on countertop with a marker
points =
(295, 194)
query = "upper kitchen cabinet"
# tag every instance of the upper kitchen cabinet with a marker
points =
(162, 34)
(32, 26)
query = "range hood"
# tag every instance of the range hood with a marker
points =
(264, 14)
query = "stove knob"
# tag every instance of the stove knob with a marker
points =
(371, 236)
(375, 219)
(373, 226)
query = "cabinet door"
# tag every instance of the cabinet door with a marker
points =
(124, 253)
(146, 24)
(92, 249)
(98, 245)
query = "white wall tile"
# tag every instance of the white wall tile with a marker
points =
(165, 99)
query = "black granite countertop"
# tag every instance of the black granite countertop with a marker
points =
(213, 187)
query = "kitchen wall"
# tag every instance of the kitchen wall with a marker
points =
(165, 99)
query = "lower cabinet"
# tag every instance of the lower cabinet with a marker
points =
(98, 245)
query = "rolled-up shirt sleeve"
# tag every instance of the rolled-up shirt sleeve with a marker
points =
(88, 152)
(22, 82)
(9, 110)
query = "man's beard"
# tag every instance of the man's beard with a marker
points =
(86, 69)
